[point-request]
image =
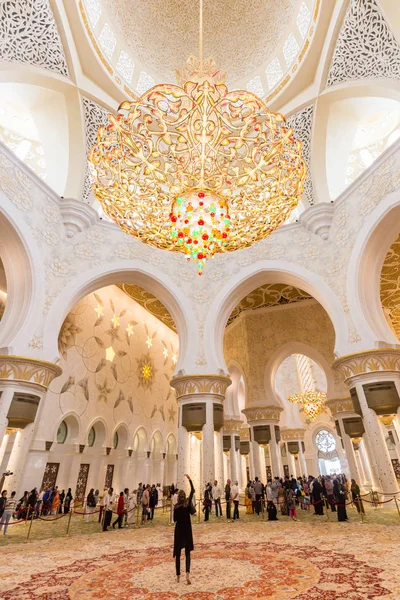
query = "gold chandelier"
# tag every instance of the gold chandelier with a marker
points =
(312, 401)
(197, 169)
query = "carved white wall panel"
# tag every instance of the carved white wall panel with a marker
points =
(301, 123)
(95, 116)
(29, 34)
(365, 47)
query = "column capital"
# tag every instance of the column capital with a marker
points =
(262, 413)
(191, 385)
(337, 406)
(28, 370)
(289, 435)
(232, 425)
(368, 361)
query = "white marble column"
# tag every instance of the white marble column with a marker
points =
(365, 457)
(263, 474)
(360, 466)
(243, 467)
(292, 465)
(205, 390)
(256, 458)
(349, 450)
(302, 462)
(208, 445)
(7, 392)
(219, 458)
(183, 452)
(233, 460)
(3, 446)
(364, 369)
(18, 456)
(275, 455)
(386, 478)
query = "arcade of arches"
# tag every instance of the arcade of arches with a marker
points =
(118, 363)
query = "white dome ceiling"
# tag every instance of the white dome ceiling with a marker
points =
(242, 36)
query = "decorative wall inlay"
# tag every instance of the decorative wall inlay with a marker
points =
(150, 303)
(21, 368)
(50, 475)
(94, 116)
(301, 123)
(270, 294)
(340, 405)
(390, 287)
(366, 48)
(292, 434)
(188, 385)
(259, 413)
(81, 483)
(29, 35)
(370, 361)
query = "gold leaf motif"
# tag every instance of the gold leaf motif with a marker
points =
(70, 382)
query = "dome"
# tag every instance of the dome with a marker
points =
(159, 38)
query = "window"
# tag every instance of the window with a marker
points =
(91, 437)
(115, 440)
(62, 433)
(325, 441)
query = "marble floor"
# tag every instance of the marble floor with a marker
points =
(231, 561)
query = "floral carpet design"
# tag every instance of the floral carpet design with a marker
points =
(230, 562)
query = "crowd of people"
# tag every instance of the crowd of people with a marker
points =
(280, 496)
(284, 495)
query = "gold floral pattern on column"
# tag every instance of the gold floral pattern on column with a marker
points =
(292, 434)
(340, 405)
(232, 425)
(369, 361)
(21, 368)
(262, 413)
(187, 385)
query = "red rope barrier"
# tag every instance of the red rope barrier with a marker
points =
(13, 522)
(376, 502)
(55, 518)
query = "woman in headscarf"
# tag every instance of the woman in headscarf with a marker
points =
(183, 536)
(355, 496)
(339, 491)
(316, 495)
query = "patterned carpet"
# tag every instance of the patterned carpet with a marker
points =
(235, 561)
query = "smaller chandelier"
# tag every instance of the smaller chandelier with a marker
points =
(312, 401)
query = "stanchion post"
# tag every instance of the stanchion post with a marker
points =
(263, 509)
(29, 529)
(327, 513)
(397, 506)
(27, 514)
(170, 515)
(198, 513)
(69, 521)
(361, 506)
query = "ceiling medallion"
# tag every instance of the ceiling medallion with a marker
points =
(312, 401)
(197, 169)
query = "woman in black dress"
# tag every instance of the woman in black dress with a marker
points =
(183, 537)
(317, 497)
(339, 491)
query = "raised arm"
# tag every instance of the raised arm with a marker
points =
(192, 490)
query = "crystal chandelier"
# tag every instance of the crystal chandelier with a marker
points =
(197, 169)
(312, 401)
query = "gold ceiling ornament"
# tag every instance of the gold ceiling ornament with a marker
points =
(197, 169)
(312, 401)
(390, 287)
